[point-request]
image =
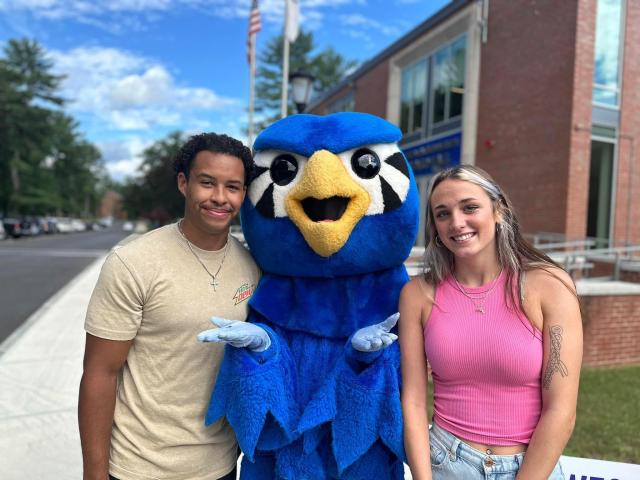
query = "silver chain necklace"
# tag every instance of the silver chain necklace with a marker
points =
(477, 299)
(214, 276)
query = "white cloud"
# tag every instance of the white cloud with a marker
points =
(149, 88)
(366, 27)
(83, 8)
(123, 158)
(98, 13)
(119, 94)
(130, 92)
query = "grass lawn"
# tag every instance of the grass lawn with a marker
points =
(608, 422)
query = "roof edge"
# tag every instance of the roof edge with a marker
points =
(444, 13)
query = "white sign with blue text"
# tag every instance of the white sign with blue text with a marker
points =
(589, 469)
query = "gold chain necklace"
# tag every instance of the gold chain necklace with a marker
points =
(214, 276)
(477, 299)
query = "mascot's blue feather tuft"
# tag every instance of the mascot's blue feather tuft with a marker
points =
(305, 134)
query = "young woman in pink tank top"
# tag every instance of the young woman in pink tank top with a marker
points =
(499, 323)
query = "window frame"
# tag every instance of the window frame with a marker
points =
(621, 40)
(410, 70)
(447, 104)
(339, 103)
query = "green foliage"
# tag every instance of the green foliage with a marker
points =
(327, 66)
(46, 167)
(154, 194)
(608, 416)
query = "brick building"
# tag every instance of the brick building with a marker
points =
(543, 94)
(111, 206)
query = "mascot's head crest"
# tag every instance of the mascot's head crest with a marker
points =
(330, 196)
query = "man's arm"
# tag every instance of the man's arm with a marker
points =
(102, 361)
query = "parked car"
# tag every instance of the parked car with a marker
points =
(12, 227)
(94, 226)
(127, 226)
(64, 225)
(141, 226)
(47, 225)
(106, 222)
(78, 225)
(236, 231)
(29, 227)
(3, 234)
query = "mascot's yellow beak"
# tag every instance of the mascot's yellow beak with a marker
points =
(326, 204)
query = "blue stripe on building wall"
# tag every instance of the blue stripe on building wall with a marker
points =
(432, 156)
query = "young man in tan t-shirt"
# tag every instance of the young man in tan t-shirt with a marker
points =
(147, 380)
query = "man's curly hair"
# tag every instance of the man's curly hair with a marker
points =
(215, 143)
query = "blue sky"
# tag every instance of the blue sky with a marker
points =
(139, 69)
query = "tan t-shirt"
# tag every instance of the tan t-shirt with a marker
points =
(154, 291)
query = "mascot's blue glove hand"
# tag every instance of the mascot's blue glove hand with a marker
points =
(375, 337)
(237, 334)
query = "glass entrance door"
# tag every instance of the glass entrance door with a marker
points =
(600, 186)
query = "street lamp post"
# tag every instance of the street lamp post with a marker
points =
(301, 88)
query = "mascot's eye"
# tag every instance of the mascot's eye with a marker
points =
(283, 169)
(365, 163)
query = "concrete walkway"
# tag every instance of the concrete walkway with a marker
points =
(40, 370)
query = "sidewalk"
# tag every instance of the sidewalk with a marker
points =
(40, 370)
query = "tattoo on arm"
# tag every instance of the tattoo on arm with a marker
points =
(555, 364)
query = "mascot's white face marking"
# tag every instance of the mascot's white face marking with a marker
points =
(398, 180)
(264, 181)
(380, 169)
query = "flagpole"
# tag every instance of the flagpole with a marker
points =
(252, 78)
(254, 28)
(285, 63)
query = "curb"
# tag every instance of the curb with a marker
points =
(8, 342)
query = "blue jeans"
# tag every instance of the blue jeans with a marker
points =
(451, 458)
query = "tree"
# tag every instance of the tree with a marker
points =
(76, 166)
(45, 164)
(327, 66)
(26, 87)
(154, 194)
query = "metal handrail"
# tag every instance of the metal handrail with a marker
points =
(541, 238)
(562, 245)
(615, 255)
(602, 251)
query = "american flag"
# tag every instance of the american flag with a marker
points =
(254, 26)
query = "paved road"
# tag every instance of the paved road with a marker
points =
(33, 269)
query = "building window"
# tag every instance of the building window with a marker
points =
(413, 97)
(342, 104)
(606, 72)
(448, 82)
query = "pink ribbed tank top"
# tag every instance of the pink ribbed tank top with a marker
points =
(486, 367)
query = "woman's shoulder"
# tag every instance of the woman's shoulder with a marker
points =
(420, 285)
(548, 282)
(416, 299)
(542, 274)
(418, 291)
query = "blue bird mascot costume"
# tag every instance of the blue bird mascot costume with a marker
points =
(311, 383)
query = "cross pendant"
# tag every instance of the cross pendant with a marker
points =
(214, 283)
